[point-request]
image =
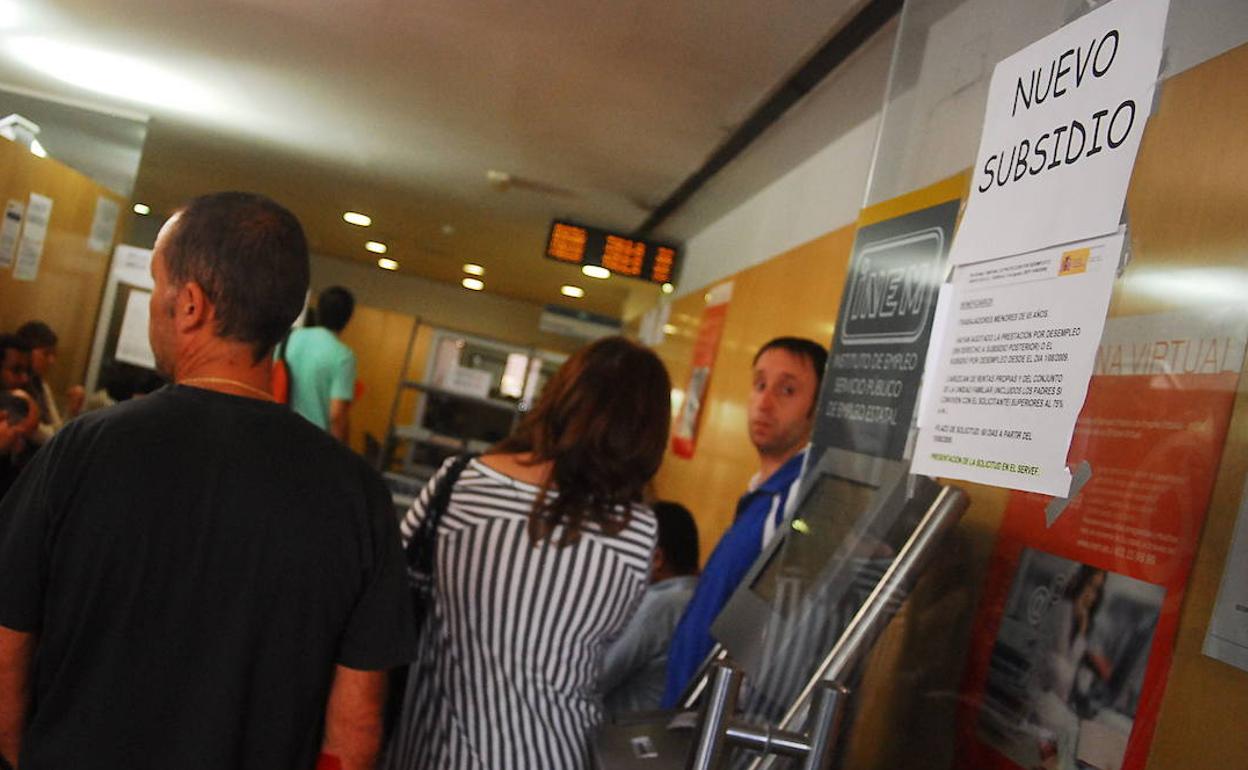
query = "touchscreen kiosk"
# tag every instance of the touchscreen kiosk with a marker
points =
(855, 514)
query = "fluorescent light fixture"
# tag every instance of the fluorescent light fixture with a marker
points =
(472, 269)
(142, 209)
(596, 271)
(376, 247)
(356, 218)
(476, 284)
(571, 291)
(37, 150)
(105, 72)
(668, 288)
(385, 263)
(670, 329)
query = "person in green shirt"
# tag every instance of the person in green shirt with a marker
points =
(322, 368)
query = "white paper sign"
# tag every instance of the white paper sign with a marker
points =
(1227, 639)
(133, 345)
(35, 231)
(104, 224)
(8, 232)
(133, 265)
(1017, 351)
(470, 382)
(1063, 124)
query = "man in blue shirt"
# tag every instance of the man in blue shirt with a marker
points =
(787, 373)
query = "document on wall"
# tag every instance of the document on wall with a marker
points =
(13, 211)
(705, 349)
(104, 224)
(1227, 638)
(1012, 372)
(133, 265)
(34, 233)
(133, 346)
(1062, 128)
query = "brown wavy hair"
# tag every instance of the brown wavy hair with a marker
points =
(603, 420)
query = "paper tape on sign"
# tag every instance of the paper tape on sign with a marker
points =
(1063, 124)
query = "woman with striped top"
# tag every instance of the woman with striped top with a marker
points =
(542, 554)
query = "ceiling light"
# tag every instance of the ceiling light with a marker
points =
(376, 247)
(356, 218)
(571, 291)
(670, 329)
(37, 150)
(595, 271)
(385, 263)
(472, 269)
(105, 72)
(668, 288)
(448, 229)
(142, 209)
(476, 284)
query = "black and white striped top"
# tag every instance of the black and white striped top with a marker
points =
(507, 670)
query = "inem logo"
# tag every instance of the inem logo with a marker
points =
(891, 289)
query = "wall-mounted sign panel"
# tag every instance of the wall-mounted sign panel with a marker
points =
(630, 257)
(872, 379)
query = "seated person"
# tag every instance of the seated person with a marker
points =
(782, 402)
(636, 663)
(42, 341)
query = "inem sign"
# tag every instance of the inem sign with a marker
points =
(891, 289)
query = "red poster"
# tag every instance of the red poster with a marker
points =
(685, 433)
(1075, 630)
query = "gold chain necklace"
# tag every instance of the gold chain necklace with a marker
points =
(264, 394)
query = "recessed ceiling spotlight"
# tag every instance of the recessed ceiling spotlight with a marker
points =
(448, 229)
(376, 247)
(572, 291)
(142, 209)
(356, 218)
(472, 269)
(476, 284)
(385, 263)
(668, 288)
(596, 271)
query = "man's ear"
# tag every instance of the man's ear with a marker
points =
(192, 310)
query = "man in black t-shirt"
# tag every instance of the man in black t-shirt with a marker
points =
(201, 578)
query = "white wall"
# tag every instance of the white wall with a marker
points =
(821, 192)
(439, 304)
(946, 52)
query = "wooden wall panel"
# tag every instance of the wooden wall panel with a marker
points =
(1189, 216)
(379, 339)
(67, 292)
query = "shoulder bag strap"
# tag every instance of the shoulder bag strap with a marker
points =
(421, 550)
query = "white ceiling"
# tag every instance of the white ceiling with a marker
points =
(398, 108)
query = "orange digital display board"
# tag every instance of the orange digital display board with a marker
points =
(622, 255)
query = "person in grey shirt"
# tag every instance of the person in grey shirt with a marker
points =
(635, 667)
